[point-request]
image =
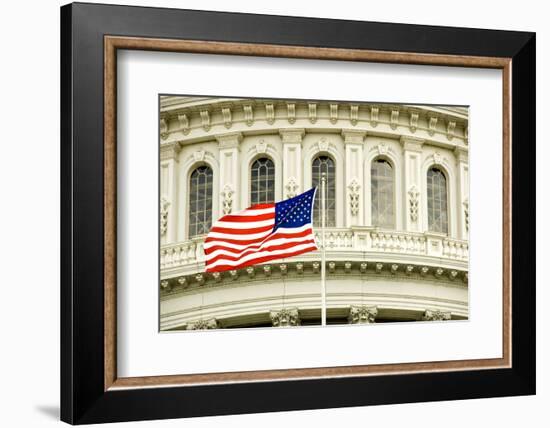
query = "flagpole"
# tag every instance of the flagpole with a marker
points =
(323, 266)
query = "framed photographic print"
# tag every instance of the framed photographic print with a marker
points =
(264, 213)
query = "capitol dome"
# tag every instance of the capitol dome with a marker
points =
(396, 210)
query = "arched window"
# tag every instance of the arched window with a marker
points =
(324, 164)
(200, 201)
(382, 200)
(262, 182)
(437, 201)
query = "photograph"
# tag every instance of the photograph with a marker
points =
(288, 212)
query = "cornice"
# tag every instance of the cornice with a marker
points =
(336, 269)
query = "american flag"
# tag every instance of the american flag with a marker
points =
(261, 233)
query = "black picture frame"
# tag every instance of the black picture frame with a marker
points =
(83, 395)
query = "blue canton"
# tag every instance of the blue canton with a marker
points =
(296, 211)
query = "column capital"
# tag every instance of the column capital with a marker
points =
(292, 135)
(412, 143)
(353, 136)
(362, 314)
(203, 324)
(169, 151)
(461, 153)
(436, 315)
(285, 317)
(230, 140)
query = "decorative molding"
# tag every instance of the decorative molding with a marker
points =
(261, 147)
(353, 114)
(333, 113)
(437, 158)
(362, 314)
(394, 118)
(292, 135)
(316, 266)
(393, 268)
(199, 278)
(169, 151)
(270, 113)
(291, 187)
(248, 115)
(414, 194)
(291, 112)
(202, 324)
(432, 124)
(164, 204)
(436, 315)
(198, 155)
(347, 267)
(182, 281)
(299, 268)
(183, 120)
(227, 194)
(164, 128)
(285, 317)
(354, 192)
(413, 124)
(451, 124)
(412, 143)
(251, 271)
(323, 144)
(363, 267)
(226, 113)
(267, 270)
(374, 116)
(205, 120)
(234, 274)
(312, 110)
(217, 276)
(165, 285)
(353, 136)
(382, 149)
(230, 140)
(331, 267)
(283, 267)
(379, 267)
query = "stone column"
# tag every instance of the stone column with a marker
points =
(362, 314)
(168, 192)
(463, 183)
(292, 161)
(229, 172)
(285, 317)
(354, 178)
(412, 180)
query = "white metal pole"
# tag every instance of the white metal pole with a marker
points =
(323, 267)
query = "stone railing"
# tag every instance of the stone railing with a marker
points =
(188, 256)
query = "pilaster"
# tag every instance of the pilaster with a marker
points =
(229, 148)
(412, 195)
(168, 192)
(354, 177)
(463, 186)
(292, 161)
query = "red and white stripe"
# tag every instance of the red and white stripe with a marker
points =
(246, 238)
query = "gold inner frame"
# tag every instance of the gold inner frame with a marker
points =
(112, 43)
